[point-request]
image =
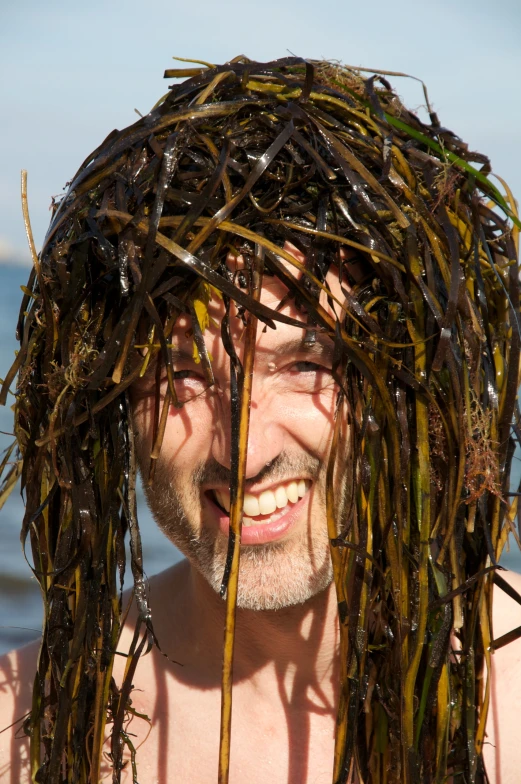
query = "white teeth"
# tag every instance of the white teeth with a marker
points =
(251, 505)
(223, 498)
(281, 498)
(267, 502)
(270, 502)
(292, 492)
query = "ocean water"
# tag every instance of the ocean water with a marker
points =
(20, 603)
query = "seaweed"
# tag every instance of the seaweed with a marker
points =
(240, 158)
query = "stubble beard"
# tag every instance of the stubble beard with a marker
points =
(271, 576)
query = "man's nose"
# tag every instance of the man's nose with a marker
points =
(265, 435)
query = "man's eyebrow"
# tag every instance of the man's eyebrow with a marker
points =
(319, 347)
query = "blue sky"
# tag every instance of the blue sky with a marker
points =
(72, 71)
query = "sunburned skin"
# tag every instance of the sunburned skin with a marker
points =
(286, 650)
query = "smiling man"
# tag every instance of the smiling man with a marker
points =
(286, 664)
(283, 239)
(285, 546)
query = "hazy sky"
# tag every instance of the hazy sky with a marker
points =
(73, 71)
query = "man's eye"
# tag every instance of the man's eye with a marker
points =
(310, 377)
(180, 375)
(308, 367)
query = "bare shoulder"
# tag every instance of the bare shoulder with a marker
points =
(16, 681)
(17, 671)
(501, 748)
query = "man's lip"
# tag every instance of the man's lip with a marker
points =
(264, 532)
(257, 490)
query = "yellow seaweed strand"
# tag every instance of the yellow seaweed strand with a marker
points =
(423, 506)
(235, 530)
(484, 619)
(442, 724)
(337, 563)
(27, 224)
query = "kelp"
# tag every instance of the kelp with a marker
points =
(240, 158)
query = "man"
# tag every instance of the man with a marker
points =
(288, 241)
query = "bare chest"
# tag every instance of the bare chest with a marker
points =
(268, 744)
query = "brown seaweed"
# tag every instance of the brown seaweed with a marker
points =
(239, 158)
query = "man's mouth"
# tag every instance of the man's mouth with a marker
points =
(267, 506)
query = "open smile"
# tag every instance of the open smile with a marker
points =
(268, 515)
(267, 506)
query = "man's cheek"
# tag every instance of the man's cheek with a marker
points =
(187, 438)
(313, 420)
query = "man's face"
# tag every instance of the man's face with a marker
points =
(285, 555)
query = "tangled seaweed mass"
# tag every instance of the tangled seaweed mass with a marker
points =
(241, 158)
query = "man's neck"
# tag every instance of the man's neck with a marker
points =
(289, 650)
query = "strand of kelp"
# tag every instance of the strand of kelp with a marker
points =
(428, 386)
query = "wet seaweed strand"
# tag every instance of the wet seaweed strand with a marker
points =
(239, 158)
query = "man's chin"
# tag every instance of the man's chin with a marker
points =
(270, 578)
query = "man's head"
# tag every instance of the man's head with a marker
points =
(285, 546)
(383, 390)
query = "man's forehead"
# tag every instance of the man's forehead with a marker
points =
(285, 339)
(274, 293)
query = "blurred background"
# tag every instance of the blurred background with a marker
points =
(71, 72)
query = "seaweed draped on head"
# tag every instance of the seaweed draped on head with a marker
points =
(241, 159)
